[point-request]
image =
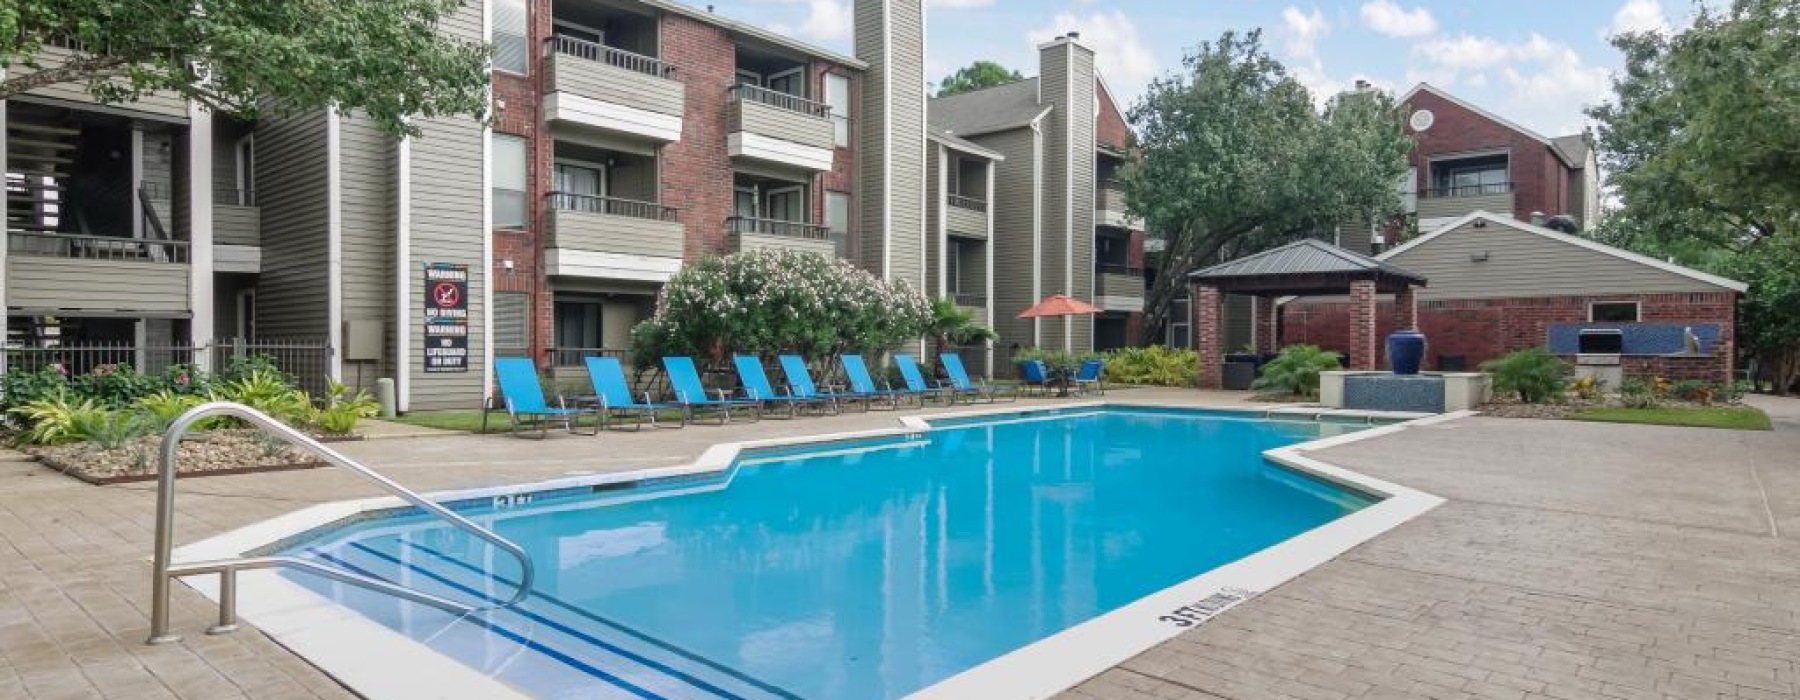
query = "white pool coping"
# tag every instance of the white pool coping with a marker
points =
(365, 656)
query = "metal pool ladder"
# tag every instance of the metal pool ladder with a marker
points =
(227, 569)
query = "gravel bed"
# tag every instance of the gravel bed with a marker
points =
(216, 451)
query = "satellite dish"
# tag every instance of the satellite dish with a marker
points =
(1422, 120)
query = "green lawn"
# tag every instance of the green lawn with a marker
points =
(1729, 417)
(466, 421)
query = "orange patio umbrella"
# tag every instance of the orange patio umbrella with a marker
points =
(1059, 305)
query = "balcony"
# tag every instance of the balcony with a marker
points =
(775, 127)
(1119, 288)
(612, 238)
(237, 231)
(751, 233)
(1109, 206)
(966, 216)
(1440, 204)
(607, 89)
(65, 272)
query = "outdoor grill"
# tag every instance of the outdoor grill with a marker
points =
(1597, 353)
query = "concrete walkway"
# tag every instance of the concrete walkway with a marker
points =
(1574, 560)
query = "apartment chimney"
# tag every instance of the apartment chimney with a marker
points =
(1362, 85)
(1066, 84)
(890, 37)
(1075, 36)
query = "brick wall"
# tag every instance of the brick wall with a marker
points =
(1109, 129)
(1540, 181)
(696, 171)
(1483, 329)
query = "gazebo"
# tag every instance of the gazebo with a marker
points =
(1302, 268)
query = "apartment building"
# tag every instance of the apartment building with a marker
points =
(1055, 144)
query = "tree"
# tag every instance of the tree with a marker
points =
(975, 76)
(954, 326)
(1701, 141)
(382, 58)
(1235, 157)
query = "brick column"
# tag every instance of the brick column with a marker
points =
(1209, 335)
(1406, 309)
(1266, 340)
(1362, 325)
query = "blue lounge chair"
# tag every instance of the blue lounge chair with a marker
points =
(1034, 373)
(757, 387)
(961, 385)
(523, 396)
(614, 394)
(800, 382)
(691, 394)
(915, 379)
(1088, 376)
(863, 388)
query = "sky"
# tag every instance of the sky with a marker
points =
(1535, 62)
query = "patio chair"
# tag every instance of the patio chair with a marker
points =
(757, 387)
(915, 379)
(691, 394)
(863, 388)
(1088, 377)
(800, 382)
(961, 385)
(1034, 373)
(523, 396)
(614, 394)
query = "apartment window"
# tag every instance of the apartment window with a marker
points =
(953, 268)
(510, 50)
(1180, 329)
(580, 178)
(789, 82)
(510, 164)
(837, 96)
(578, 324)
(1470, 177)
(1613, 312)
(837, 220)
(787, 204)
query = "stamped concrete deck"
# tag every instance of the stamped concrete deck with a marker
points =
(1574, 560)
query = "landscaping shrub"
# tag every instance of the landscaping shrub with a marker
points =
(1638, 392)
(57, 419)
(1296, 370)
(1698, 391)
(111, 430)
(269, 392)
(343, 410)
(1156, 365)
(1533, 374)
(1056, 360)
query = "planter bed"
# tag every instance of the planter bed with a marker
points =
(212, 453)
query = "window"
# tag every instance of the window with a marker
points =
(578, 324)
(837, 95)
(510, 52)
(743, 202)
(837, 220)
(582, 179)
(1180, 336)
(953, 272)
(1470, 177)
(511, 330)
(787, 204)
(1613, 312)
(789, 82)
(509, 181)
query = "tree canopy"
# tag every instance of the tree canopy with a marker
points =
(1701, 142)
(382, 58)
(975, 76)
(1236, 157)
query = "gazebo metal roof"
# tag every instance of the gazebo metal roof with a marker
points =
(1305, 267)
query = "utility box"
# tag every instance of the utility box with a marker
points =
(363, 341)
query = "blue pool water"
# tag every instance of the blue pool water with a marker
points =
(858, 570)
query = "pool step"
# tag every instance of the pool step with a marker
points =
(543, 646)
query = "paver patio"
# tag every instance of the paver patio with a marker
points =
(1573, 560)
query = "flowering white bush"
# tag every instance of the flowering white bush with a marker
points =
(769, 301)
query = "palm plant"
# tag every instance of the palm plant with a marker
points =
(953, 326)
(1296, 370)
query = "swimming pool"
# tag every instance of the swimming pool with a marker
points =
(867, 568)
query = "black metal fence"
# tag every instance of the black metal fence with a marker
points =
(308, 360)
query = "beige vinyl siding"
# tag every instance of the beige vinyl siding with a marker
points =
(1011, 246)
(291, 174)
(777, 123)
(598, 81)
(34, 282)
(1451, 207)
(366, 168)
(235, 225)
(1067, 84)
(967, 223)
(756, 241)
(934, 206)
(609, 233)
(893, 118)
(159, 105)
(1524, 264)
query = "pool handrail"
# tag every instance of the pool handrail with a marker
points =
(165, 572)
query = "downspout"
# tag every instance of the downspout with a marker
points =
(334, 243)
(403, 274)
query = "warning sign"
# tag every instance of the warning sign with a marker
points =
(446, 317)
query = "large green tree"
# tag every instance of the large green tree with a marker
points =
(382, 58)
(1236, 157)
(975, 76)
(1701, 143)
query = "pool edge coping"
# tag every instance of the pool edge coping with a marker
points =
(338, 640)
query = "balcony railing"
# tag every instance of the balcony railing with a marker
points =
(1110, 186)
(593, 204)
(967, 202)
(236, 196)
(1467, 190)
(617, 58)
(777, 227)
(780, 100)
(1118, 269)
(970, 299)
(79, 247)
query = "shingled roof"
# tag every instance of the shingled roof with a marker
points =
(985, 111)
(1306, 266)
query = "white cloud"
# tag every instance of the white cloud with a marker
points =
(1638, 16)
(1324, 87)
(1391, 19)
(958, 4)
(1463, 52)
(1543, 77)
(1302, 31)
(1120, 52)
(826, 20)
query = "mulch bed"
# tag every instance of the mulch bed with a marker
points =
(212, 453)
(1511, 407)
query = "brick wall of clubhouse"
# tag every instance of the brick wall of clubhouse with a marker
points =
(1483, 329)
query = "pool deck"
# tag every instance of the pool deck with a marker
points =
(1573, 560)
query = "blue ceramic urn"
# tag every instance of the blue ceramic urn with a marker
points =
(1406, 350)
